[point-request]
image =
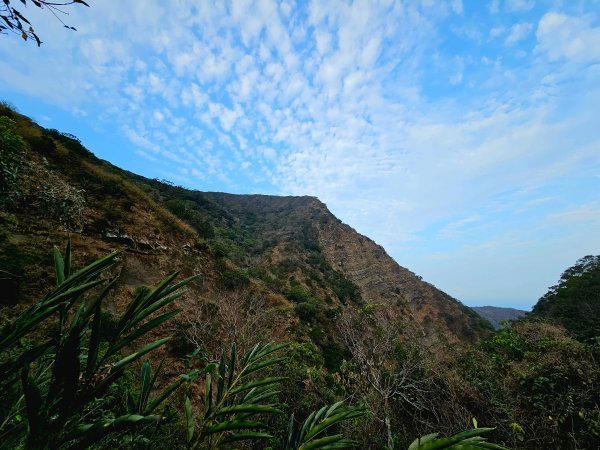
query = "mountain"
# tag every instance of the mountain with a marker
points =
(292, 252)
(495, 314)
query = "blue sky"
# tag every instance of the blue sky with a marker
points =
(463, 136)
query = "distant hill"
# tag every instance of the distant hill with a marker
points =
(496, 314)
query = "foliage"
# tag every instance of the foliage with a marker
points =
(466, 440)
(307, 311)
(11, 155)
(61, 377)
(299, 294)
(575, 301)
(310, 434)
(234, 399)
(13, 261)
(14, 21)
(70, 141)
(343, 288)
(43, 144)
(234, 279)
(188, 210)
(550, 384)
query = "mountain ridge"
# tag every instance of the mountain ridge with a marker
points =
(290, 250)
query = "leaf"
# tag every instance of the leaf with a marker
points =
(255, 395)
(94, 345)
(249, 408)
(67, 260)
(328, 442)
(233, 425)
(257, 383)
(456, 442)
(189, 415)
(246, 435)
(145, 384)
(146, 349)
(33, 401)
(155, 403)
(147, 327)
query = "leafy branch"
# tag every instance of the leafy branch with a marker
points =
(13, 20)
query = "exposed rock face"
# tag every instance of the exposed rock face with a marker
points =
(433, 313)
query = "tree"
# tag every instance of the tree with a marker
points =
(575, 301)
(241, 317)
(14, 21)
(384, 374)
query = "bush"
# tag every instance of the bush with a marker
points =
(298, 294)
(307, 311)
(234, 279)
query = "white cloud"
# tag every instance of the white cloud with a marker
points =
(518, 32)
(361, 103)
(519, 5)
(458, 228)
(572, 38)
(496, 31)
(457, 6)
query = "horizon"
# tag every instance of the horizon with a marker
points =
(462, 137)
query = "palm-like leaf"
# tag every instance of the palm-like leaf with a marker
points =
(233, 402)
(466, 440)
(59, 378)
(311, 433)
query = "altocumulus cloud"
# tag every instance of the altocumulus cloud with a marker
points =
(440, 129)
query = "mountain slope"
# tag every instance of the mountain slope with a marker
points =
(306, 222)
(290, 251)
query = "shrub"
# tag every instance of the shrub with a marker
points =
(298, 294)
(62, 379)
(307, 311)
(234, 279)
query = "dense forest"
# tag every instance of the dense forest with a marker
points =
(139, 314)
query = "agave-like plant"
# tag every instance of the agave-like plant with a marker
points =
(311, 435)
(466, 440)
(235, 399)
(62, 376)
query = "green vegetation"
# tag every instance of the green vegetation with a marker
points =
(54, 381)
(76, 390)
(11, 160)
(74, 371)
(575, 301)
(188, 210)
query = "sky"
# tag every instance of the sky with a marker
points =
(463, 136)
